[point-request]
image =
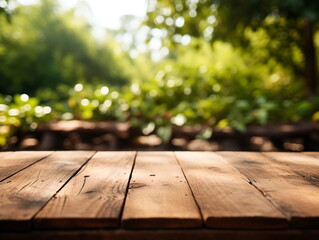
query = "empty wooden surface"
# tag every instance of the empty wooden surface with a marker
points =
(306, 166)
(2, 154)
(294, 196)
(220, 189)
(175, 195)
(24, 194)
(159, 196)
(312, 154)
(16, 161)
(94, 197)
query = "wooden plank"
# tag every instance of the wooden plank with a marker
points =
(294, 196)
(16, 161)
(25, 193)
(2, 154)
(225, 197)
(312, 154)
(306, 166)
(159, 196)
(94, 197)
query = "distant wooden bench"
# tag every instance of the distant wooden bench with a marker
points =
(159, 195)
(110, 135)
(52, 132)
(277, 134)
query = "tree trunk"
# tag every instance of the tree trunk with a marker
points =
(309, 52)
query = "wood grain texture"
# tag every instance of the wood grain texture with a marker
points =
(293, 195)
(225, 197)
(312, 154)
(159, 196)
(94, 197)
(306, 166)
(15, 161)
(2, 154)
(25, 193)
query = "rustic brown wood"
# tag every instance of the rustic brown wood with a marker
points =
(225, 197)
(63, 191)
(306, 166)
(25, 193)
(312, 154)
(2, 154)
(159, 196)
(188, 234)
(16, 161)
(294, 196)
(94, 197)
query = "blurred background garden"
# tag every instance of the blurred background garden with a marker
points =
(170, 75)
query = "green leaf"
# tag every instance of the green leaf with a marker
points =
(262, 116)
(165, 133)
(205, 134)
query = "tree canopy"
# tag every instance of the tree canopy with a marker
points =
(44, 48)
(288, 24)
(5, 11)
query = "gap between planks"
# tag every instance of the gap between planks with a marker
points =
(15, 162)
(306, 165)
(94, 197)
(25, 193)
(280, 163)
(288, 191)
(225, 197)
(159, 196)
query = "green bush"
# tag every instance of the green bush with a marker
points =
(22, 113)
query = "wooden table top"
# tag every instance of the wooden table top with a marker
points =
(159, 195)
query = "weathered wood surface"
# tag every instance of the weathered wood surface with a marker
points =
(181, 195)
(305, 165)
(2, 154)
(159, 196)
(220, 189)
(94, 197)
(25, 193)
(16, 161)
(312, 154)
(294, 196)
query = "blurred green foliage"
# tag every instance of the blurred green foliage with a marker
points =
(64, 73)
(209, 86)
(287, 26)
(43, 48)
(4, 10)
(22, 113)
